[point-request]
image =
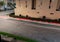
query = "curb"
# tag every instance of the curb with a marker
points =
(34, 21)
(48, 23)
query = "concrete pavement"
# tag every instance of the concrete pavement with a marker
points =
(31, 30)
(41, 31)
(45, 24)
(7, 12)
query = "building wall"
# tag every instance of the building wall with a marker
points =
(42, 9)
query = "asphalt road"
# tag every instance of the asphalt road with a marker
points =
(30, 30)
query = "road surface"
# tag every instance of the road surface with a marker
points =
(31, 30)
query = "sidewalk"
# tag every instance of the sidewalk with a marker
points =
(33, 21)
(30, 30)
(4, 13)
(39, 22)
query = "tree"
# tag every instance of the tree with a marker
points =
(1, 3)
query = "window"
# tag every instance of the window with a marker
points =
(19, 3)
(26, 3)
(33, 4)
(58, 6)
(41, 1)
(50, 4)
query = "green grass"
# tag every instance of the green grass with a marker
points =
(18, 37)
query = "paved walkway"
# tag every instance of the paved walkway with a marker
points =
(30, 30)
(41, 31)
(4, 13)
(46, 24)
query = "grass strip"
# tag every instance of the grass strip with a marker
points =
(18, 37)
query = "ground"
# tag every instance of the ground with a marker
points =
(37, 31)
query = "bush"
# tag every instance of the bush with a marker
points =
(20, 15)
(1, 3)
(27, 16)
(12, 14)
(48, 20)
(59, 20)
(38, 19)
(44, 17)
(55, 20)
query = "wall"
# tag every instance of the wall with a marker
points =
(41, 10)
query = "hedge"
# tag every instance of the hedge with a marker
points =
(44, 19)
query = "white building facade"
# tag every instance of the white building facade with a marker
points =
(6, 4)
(38, 8)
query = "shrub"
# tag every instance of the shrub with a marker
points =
(27, 16)
(44, 17)
(20, 15)
(59, 20)
(1, 3)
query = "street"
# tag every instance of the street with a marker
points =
(29, 20)
(31, 30)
